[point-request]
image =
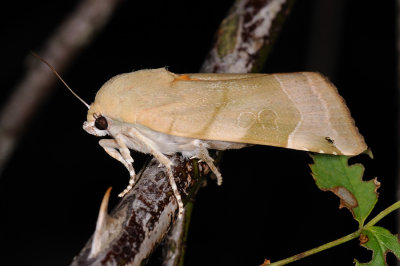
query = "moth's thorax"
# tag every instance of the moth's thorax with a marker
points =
(120, 96)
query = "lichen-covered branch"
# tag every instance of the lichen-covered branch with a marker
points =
(143, 217)
(246, 36)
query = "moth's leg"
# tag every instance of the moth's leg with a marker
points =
(111, 146)
(204, 156)
(133, 133)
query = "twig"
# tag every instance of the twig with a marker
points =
(143, 217)
(344, 239)
(71, 37)
(246, 36)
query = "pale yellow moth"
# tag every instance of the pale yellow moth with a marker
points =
(161, 113)
(157, 112)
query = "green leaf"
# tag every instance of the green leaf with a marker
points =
(380, 241)
(332, 173)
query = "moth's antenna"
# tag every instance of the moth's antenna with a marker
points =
(60, 78)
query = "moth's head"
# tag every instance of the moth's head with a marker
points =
(97, 125)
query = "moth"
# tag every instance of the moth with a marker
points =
(157, 112)
(160, 113)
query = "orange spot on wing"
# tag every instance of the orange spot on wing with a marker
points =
(184, 77)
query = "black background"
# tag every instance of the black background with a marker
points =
(268, 206)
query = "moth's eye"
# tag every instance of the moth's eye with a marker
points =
(101, 123)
